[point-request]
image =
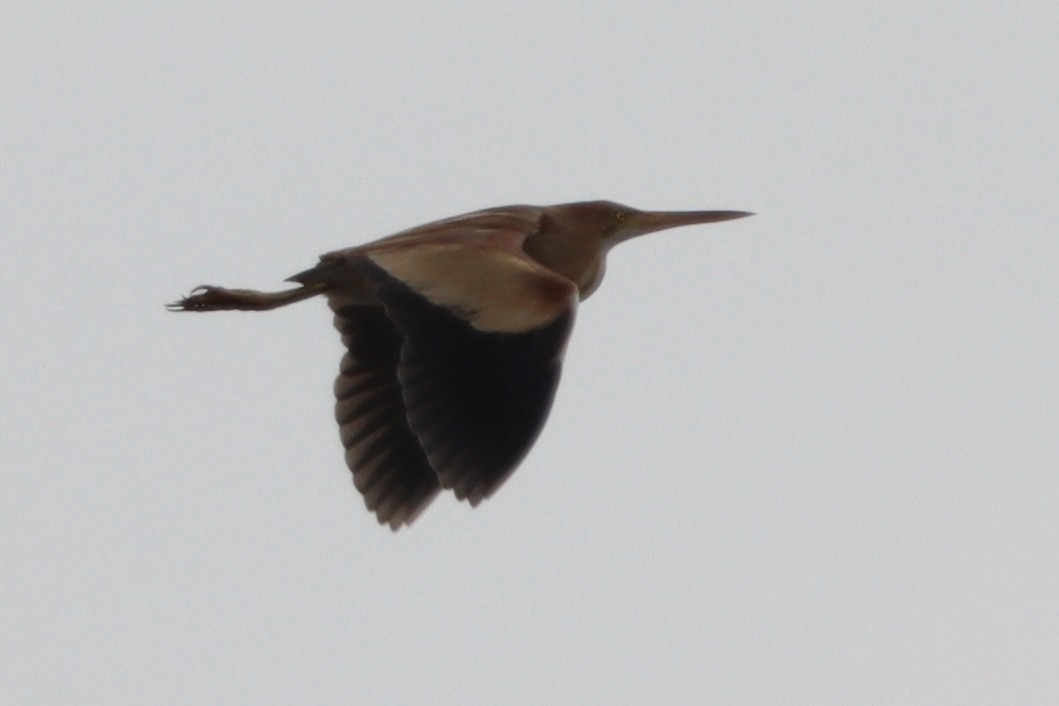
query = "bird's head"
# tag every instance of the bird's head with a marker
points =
(574, 238)
(604, 224)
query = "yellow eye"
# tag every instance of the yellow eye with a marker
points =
(620, 216)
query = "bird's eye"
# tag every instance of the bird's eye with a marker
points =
(620, 216)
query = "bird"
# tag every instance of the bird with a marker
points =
(454, 334)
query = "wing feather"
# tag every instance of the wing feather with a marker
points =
(389, 466)
(480, 360)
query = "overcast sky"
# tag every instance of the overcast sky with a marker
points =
(810, 457)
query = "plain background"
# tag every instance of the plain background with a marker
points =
(805, 458)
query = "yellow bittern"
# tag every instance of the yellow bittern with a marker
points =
(455, 332)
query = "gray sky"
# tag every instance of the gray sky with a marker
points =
(805, 458)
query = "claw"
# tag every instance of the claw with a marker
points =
(202, 298)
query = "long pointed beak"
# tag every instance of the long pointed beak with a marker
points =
(652, 221)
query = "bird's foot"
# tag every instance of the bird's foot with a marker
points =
(209, 298)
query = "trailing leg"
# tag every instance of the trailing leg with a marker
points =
(208, 298)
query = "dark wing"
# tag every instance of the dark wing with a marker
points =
(484, 333)
(388, 463)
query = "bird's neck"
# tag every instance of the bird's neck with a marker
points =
(580, 262)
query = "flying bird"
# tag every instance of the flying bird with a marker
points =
(454, 334)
